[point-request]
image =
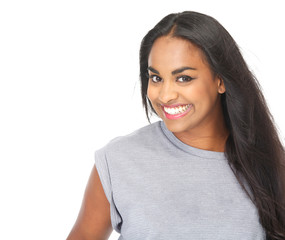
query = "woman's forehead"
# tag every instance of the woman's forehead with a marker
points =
(174, 52)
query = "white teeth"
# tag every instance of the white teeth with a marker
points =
(176, 110)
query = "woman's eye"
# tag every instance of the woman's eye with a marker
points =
(184, 79)
(155, 78)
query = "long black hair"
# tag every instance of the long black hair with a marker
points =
(253, 148)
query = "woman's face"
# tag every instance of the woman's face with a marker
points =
(182, 89)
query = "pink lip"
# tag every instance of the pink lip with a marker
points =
(176, 116)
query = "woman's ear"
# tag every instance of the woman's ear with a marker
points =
(221, 86)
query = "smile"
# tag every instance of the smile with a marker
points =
(176, 112)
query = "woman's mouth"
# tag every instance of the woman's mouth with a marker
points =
(177, 111)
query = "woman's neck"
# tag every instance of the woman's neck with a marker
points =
(211, 137)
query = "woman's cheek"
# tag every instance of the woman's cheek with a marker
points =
(196, 93)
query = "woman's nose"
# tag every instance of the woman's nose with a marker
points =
(167, 92)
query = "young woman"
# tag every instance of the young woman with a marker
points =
(212, 168)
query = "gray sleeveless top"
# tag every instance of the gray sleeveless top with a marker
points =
(160, 188)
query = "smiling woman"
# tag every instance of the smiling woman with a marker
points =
(211, 168)
(189, 95)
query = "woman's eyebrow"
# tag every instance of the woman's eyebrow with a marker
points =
(153, 70)
(176, 71)
(179, 70)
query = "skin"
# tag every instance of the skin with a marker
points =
(94, 219)
(203, 126)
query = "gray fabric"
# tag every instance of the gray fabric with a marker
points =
(160, 188)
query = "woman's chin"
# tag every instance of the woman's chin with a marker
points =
(177, 126)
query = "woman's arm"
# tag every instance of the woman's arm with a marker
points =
(93, 221)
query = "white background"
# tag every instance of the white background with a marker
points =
(69, 83)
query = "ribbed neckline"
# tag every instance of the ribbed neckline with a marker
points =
(189, 149)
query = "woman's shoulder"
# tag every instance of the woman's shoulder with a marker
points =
(136, 139)
(140, 135)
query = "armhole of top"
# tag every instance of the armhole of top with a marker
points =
(101, 164)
